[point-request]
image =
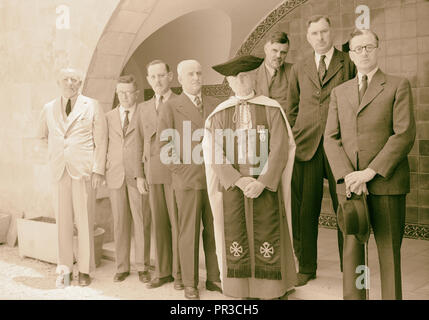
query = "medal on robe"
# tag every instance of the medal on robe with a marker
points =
(262, 132)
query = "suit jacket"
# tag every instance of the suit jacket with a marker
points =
(263, 83)
(121, 151)
(378, 133)
(308, 100)
(181, 115)
(149, 164)
(77, 144)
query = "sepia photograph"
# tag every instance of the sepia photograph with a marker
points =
(217, 150)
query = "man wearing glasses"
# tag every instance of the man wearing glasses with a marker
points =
(370, 131)
(129, 207)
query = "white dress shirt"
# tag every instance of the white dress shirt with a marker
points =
(165, 97)
(369, 75)
(192, 97)
(122, 113)
(328, 58)
(64, 105)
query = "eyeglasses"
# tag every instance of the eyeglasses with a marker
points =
(369, 48)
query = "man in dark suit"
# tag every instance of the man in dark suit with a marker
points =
(155, 178)
(180, 132)
(369, 133)
(272, 77)
(310, 85)
(129, 207)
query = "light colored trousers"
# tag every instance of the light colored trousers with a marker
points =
(74, 200)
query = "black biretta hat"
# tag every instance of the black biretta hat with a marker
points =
(238, 64)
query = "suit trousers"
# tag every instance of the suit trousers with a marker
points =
(129, 207)
(164, 220)
(387, 216)
(194, 206)
(307, 194)
(75, 198)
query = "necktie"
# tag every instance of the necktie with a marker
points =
(198, 104)
(160, 100)
(322, 68)
(68, 107)
(126, 122)
(273, 77)
(363, 87)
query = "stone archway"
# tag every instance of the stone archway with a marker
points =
(110, 54)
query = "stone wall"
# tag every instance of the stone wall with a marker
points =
(32, 48)
(403, 28)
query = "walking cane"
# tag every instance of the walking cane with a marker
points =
(366, 271)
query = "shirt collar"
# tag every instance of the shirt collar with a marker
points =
(328, 57)
(166, 96)
(130, 109)
(72, 101)
(250, 96)
(369, 75)
(192, 97)
(269, 69)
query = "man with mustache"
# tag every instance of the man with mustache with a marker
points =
(155, 178)
(191, 108)
(273, 75)
(310, 85)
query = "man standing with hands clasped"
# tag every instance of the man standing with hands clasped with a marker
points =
(369, 133)
(180, 128)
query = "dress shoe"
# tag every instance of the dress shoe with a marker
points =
(64, 280)
(84, 279)
(157, 282)
(213, 286)
(120, 276)
(303, 278)
(144, 276)
(178, 284)
(192, 293)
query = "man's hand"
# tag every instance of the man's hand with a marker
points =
(142, 185)
(254, 189)
(96, 180)
(243, 182)
(356, 181)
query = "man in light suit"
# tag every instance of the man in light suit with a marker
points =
(369, 133)
(185, 116)
(273, 75)
(155, 178)
(129, 207)
(310, 85)
(75, 128)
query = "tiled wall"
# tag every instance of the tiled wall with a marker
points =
(403, 28)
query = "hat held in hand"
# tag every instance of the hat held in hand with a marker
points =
(353, 217)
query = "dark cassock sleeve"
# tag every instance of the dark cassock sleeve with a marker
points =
(279, 148)
(226, 173)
